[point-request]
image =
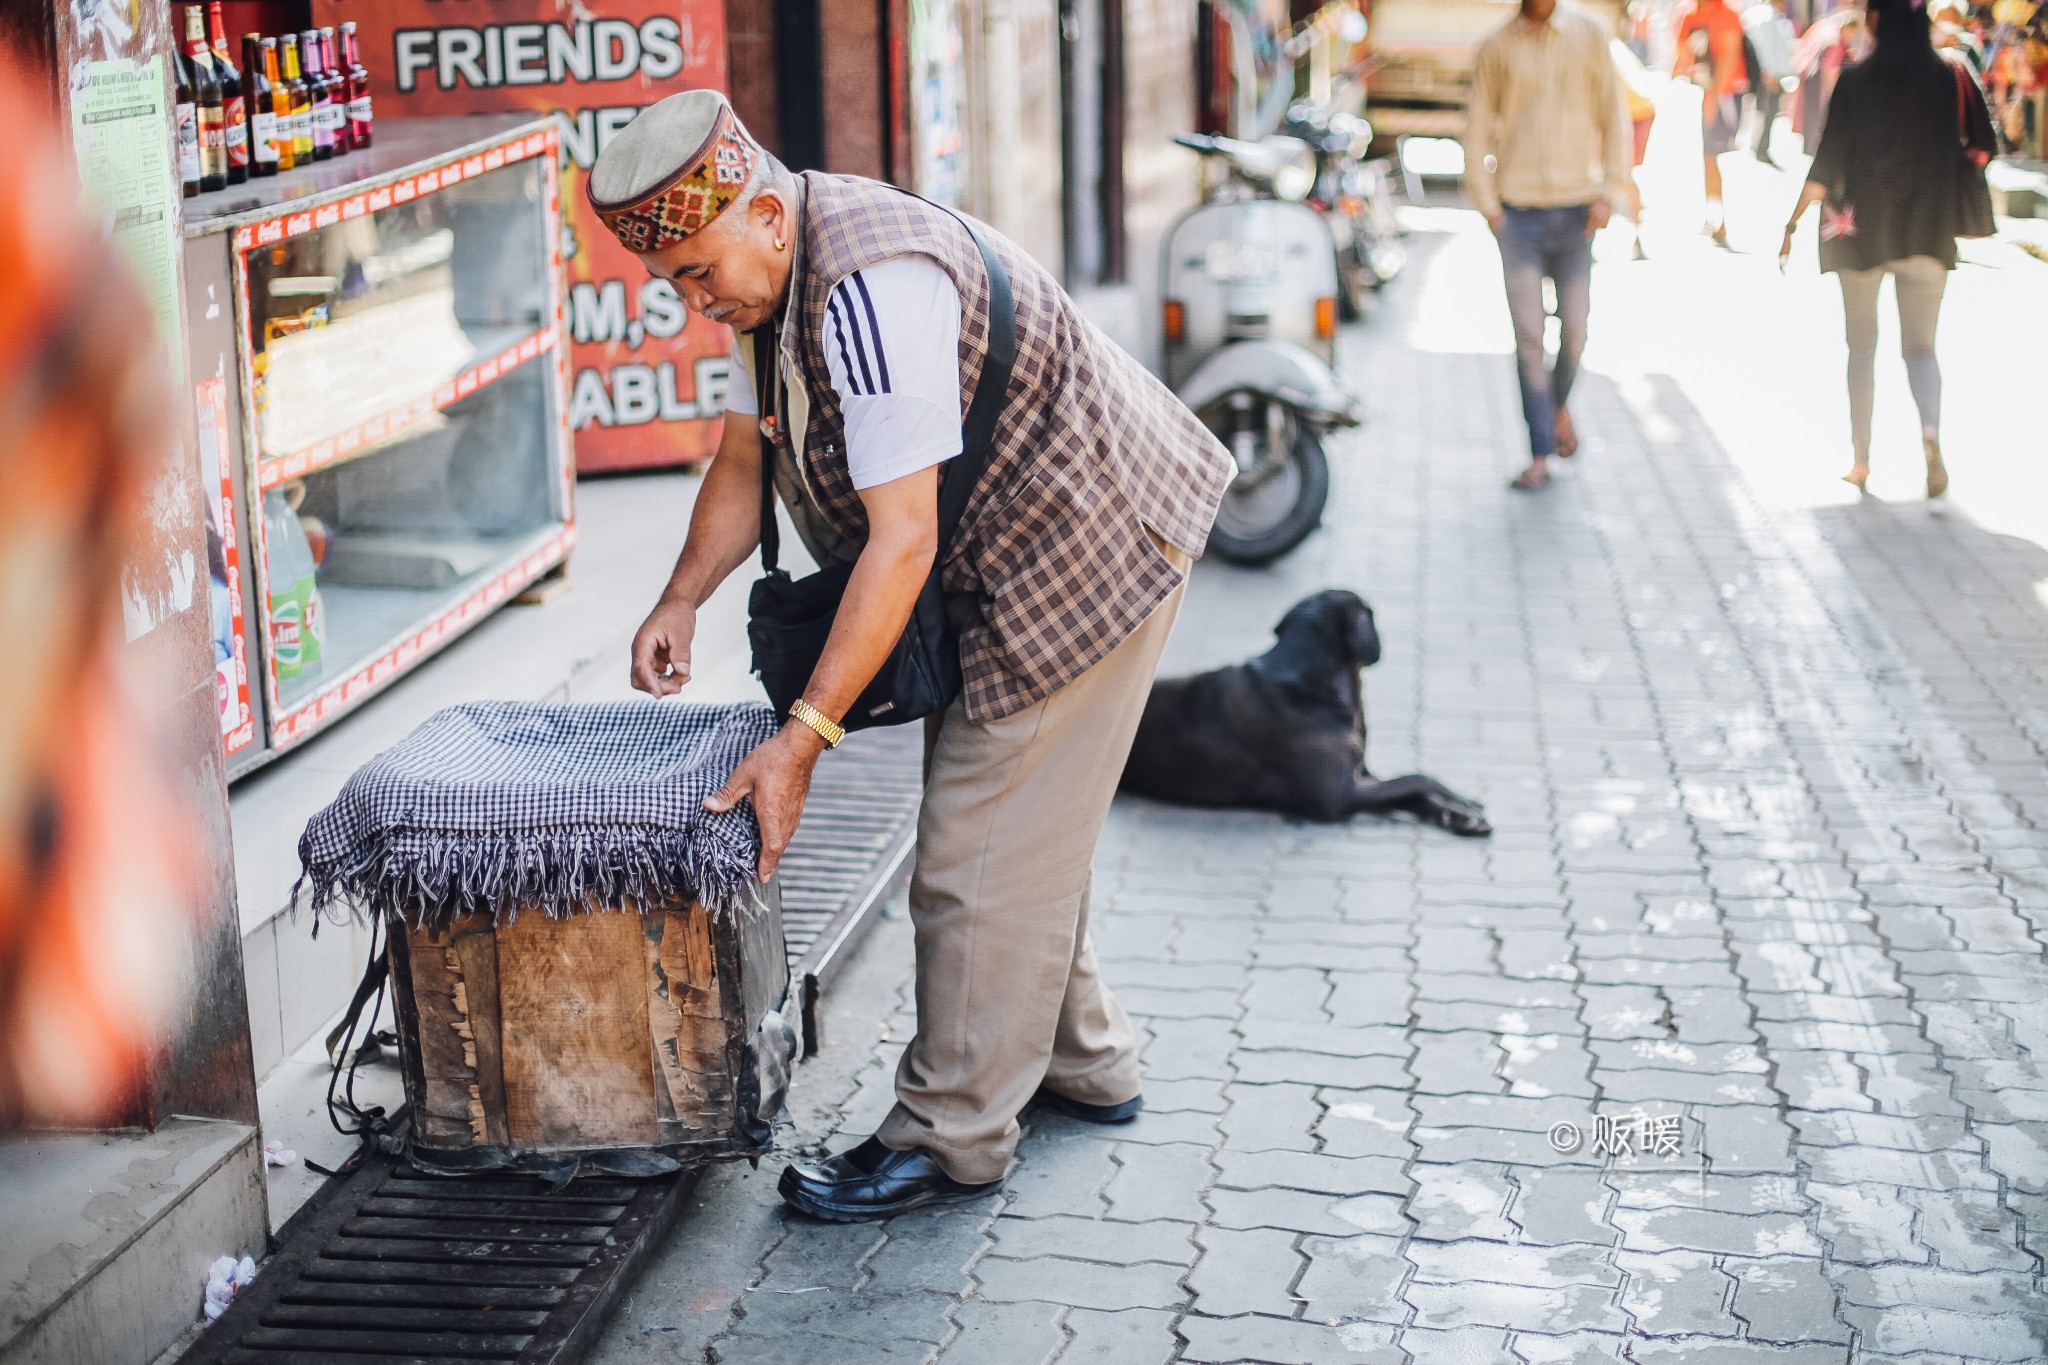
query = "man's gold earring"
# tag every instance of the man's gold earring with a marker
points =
(778, 244)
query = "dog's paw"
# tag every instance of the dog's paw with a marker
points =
(1460, 817)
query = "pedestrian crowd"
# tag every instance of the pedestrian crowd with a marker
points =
(1560, 116)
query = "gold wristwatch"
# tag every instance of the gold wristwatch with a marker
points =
(828, 729)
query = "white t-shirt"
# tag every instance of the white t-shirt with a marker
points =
(892, 349)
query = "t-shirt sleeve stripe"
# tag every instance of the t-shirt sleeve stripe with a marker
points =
(874, 329)
(852, 320)
(838, 325)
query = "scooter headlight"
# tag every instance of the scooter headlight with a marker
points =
(1295, 177)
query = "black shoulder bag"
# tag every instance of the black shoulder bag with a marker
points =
(1974, 217)
(788, 619)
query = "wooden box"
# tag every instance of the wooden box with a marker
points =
(602, 1031)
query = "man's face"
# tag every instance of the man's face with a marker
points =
(1538, 11)
(731, 271)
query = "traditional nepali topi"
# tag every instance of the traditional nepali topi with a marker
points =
(672, 170)
(501, 807)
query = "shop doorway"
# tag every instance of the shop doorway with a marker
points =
(799, 84)
(1092, 140)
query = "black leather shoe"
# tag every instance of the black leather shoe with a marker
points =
(1089, 1113)
(872, 1181)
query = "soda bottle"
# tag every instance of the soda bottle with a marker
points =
(213, 145)
(234, 109)
(258, 91)
(359, 116)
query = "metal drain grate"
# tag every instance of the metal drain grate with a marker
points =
(405, 1268)
(858, 830)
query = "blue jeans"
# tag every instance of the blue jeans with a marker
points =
(1535, 243)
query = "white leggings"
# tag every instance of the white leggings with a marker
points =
(1919, 281)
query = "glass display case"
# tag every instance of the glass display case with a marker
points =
(401, 394)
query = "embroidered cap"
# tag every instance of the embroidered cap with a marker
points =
(672, 170)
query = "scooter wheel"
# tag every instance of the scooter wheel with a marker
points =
(1254, 527)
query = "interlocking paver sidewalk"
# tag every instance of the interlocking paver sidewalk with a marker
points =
(1768, 885)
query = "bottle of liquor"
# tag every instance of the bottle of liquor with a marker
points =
(213, 145)
(300, 96)
(359, 116)
(337, 91)
(317, 93)
(188, 124)
(283, 146)
(233, 106)
(262, 113)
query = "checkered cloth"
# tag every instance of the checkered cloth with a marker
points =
(499, 807)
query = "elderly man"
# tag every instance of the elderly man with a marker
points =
(866, 311)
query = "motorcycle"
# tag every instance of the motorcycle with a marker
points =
(1355, 197)
(1250, 289)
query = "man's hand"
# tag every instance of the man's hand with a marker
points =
(778, 776)
(661, 648)
(1597, 214)
(1497, 220)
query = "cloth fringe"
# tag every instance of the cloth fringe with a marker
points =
(431, 880)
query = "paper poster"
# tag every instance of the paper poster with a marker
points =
(647, 383)
(121, 132)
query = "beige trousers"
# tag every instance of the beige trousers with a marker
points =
(1008, 995)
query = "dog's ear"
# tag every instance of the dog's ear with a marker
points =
(1294, 616)
(1365, 635)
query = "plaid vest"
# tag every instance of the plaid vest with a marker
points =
(1091, 450)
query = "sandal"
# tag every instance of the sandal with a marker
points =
(1530, 479)
(1858, 475)
(1937, 472)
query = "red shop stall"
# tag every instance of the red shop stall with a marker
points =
(647, 379)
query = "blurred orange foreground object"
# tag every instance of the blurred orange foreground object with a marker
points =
(97, 883)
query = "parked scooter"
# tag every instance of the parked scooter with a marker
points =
(1250, 294)
(1355, 197)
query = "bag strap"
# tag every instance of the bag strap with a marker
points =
(977, 428)
(765, 345)
(991, 388)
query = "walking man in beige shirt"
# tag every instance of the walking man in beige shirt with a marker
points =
(1546, 158)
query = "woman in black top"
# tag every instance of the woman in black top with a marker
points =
(1905, 132)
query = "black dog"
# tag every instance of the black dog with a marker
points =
(1286, 731)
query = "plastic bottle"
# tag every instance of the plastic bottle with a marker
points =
(298, 625)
